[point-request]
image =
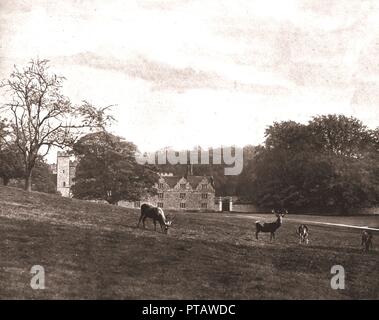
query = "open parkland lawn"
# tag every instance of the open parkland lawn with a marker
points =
(95, 251)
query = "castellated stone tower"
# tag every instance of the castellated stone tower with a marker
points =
(63, 174)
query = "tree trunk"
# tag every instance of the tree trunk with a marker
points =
(28, 181)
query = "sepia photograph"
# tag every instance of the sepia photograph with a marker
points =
(170, 150)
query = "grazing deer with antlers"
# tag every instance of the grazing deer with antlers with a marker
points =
(270, 227)
(155, 213)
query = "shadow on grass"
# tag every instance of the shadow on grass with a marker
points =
(341, 249)
(145, 229)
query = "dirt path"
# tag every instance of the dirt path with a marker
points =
(299, 220)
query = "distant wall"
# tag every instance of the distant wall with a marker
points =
(358, 211)
(374, 210)
(133, 204)
(245, 207)
(153, 200)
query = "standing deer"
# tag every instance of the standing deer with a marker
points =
(366, 240)
(272, 226)
(303, 233)
(155, 213)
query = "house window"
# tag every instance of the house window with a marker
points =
(182, 205)
(182, 186)
(204, 196)
(62, 171)
(137, 204)
(160, 195)
(160, 185)
(204, 206)
(160, 204)
(64, 183)
(182, 195)
(204, 186)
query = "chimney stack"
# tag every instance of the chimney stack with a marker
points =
(189, 170)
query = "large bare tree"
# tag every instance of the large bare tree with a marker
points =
(41, 116)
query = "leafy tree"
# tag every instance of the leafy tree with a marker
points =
(329, 164)
(43, 178)
(41, 116)
(108, 170)
(10, 159)
(341, 135)
(11, 166)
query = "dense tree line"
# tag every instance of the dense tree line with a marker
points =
(331, 163)
(108, 170)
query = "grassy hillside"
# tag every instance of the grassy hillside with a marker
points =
(92, 250)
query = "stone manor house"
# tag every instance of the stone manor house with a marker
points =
(195, 193)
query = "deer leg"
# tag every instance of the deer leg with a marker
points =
(139, 221)
(155, 225)
(256, 234)
(143, 222)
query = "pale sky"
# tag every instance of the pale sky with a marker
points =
(203, 72)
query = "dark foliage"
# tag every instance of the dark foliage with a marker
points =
(108, 170)
(330, 164)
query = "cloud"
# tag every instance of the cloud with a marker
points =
(162, 76)
(366, 93)
(163, 4)
(332, 8)
(11, 6)
(320, 45)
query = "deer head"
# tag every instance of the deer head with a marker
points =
(168, 223)
(280, 214)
